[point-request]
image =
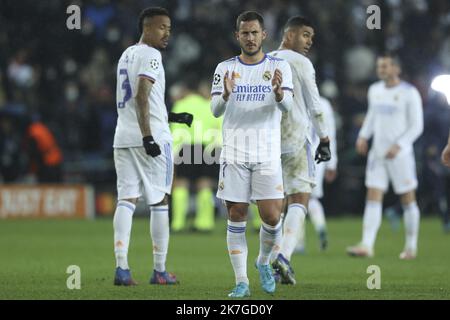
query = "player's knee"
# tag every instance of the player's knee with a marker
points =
(181, 183)
(237, 211)
(408, 197)
(203, 183)
(131, 200)
(374, 195)
(271, 220)
(301, 198)
(164, 202)
(237, 215)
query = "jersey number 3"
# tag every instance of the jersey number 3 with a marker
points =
(125, 86)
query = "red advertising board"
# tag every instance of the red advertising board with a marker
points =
(46, 201)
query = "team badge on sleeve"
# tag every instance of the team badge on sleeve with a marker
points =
(154, 64)
(217, 79)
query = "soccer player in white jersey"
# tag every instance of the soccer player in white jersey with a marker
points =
(324, 171)
(394, 120)
(297, 157)
(251, 91)
(445, 156)
(142, 145)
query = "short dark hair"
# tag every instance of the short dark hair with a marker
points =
(297, 21)
(393, 56)
(249, 16)
(150, 12)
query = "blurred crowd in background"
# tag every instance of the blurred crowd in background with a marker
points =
(64, 81)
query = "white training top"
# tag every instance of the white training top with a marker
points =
(395, 116)
(295, 125)
(140, 61)
(251, 123)
(328, 115)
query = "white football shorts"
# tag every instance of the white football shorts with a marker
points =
(245, 182)
(299, 170)
(401, 171)
(139, 174)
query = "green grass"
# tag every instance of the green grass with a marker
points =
(34, 256)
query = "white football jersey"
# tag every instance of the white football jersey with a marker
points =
(295, 124)
(395, 116)
(251, 123)
(140, 61)
(328, 114)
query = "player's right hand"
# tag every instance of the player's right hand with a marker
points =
(330, 175)
(151, 147)
(183, 117)
(228, 85)
(362, 146)
(277, 80)
(323, 152)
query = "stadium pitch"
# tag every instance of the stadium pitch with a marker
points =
(35, 256)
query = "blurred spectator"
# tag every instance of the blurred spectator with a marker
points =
(11, 155)
(22, 78)
(2, 92)
(99, 13)
(73, 118)
(45, 156)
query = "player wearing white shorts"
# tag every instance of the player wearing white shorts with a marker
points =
(297, 155)
(142, 145)
(251, 90)
(394, 120)
(324, 171)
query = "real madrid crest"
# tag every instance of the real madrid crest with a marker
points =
(221, 185)
(267, 76)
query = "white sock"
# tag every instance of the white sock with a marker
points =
(159, 230)
(317, 215)
(237, 249)
(277, 245)
(123, 218)
(371, 223)
(269, 236)
(295, 219)
(301, 236)
(411, 217)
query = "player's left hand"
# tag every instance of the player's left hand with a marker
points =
(277, 80)
(445, 157)
(323, 152)
(330, 175)
(182, 117)
(393, 151)
(151, 147)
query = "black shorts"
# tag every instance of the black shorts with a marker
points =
(196, 161)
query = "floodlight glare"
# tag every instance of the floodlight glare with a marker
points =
(442, 84)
